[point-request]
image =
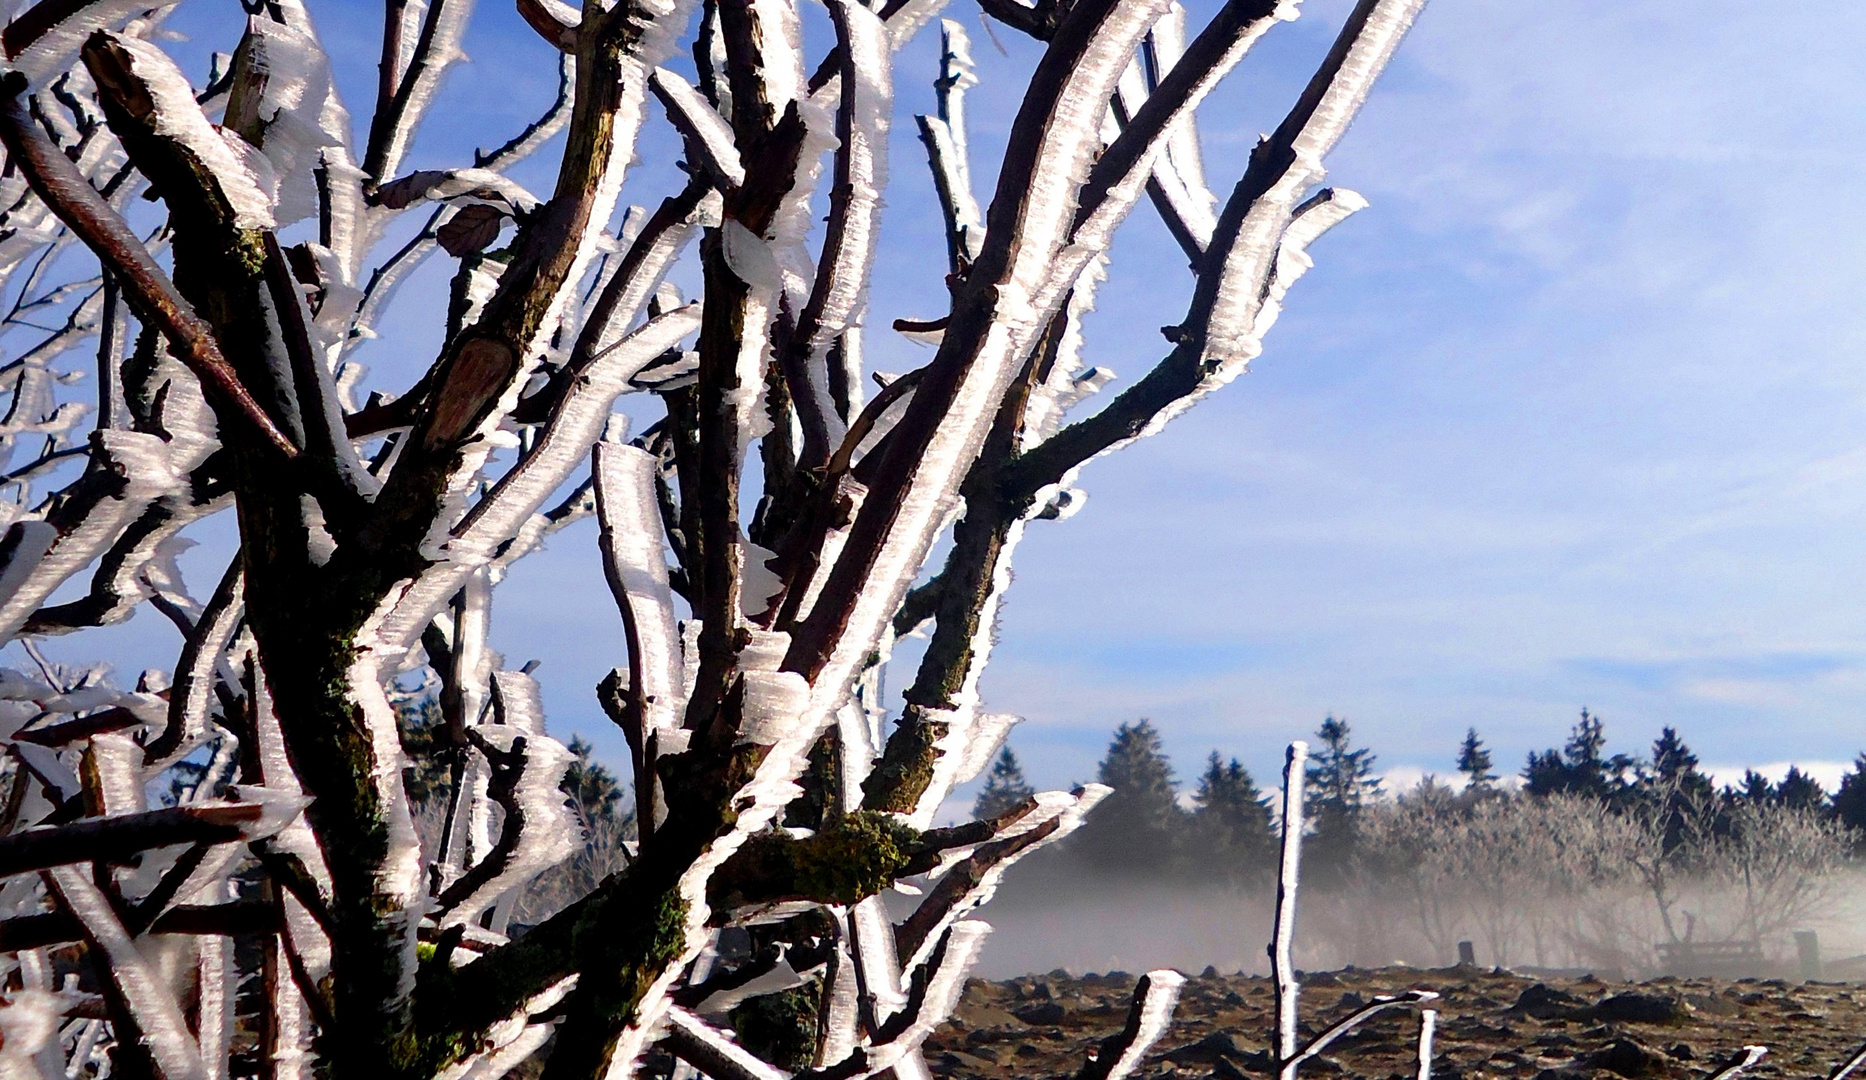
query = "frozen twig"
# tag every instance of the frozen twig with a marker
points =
(1744, 1059)
(1118, 1055)
(148, 290)
(1849, 1066)
(1287, 1065)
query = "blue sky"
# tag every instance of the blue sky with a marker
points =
(1573, 415)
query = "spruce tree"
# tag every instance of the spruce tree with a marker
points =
(1849, 803)
(1232, 821)
(1340, 776)
(1004, 788)
(1799, 791)
(1139, 827)
(1673, 761)
(1755, 788)
(593, 789)
(1340, 782)
(1581, 766)
(1474, 762)
(1680, 793)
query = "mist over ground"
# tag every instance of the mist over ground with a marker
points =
(1618, 865)
(1100, 925)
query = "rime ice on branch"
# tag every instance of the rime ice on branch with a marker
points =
(218, 320)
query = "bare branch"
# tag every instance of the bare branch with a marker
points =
(148, 290)
(148, 1010)
(526, 142)
(1428, 1025)
(554, 22)
(1847, 1067)
(405, 95)
(1055, 133)
(538, 831)
(712, 1051)
(708, 136)
(1147, 1018)
(117, 838)
(1288, 1064)
(632, 561)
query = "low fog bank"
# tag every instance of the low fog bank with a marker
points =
(1093, 923)
(1591, 862)
(1124, 926)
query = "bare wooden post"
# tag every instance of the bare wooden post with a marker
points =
(1808, 952)
(1282, 966)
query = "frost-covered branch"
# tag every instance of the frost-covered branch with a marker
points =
(1289, 1063)
(1151, 1011)
(1740, 1062)
(148, 290)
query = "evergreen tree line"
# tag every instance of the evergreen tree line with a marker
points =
(1225, 832)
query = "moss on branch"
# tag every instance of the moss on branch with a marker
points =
(854, 859)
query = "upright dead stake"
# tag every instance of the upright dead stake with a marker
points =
(1428, 1024)
(1282, 968)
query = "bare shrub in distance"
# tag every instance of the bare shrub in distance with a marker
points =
(1571, 881)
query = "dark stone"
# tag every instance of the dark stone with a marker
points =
(1637, 1008)
(1040, 1013)
(1627, 1058)
(1350, 1001)
(1207, 1051)
(1544, 1002)
(1210, 972)
(1321, 978)
(1683, 1052)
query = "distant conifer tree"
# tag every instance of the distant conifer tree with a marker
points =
(1340, 783)
(1674, 763)
(1232, 821)
(1581, 767)
(1678, 790)
(1340, 775)
(1474, 762)
(1755, 788)
(1004, 788)
(593, 789)
(1140, 827)
(1849, 803)
(1797, 790)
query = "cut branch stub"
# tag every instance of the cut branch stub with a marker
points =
(147, 289)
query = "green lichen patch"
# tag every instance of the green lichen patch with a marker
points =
(780, 1027)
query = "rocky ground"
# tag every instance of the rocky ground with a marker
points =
(1491, 1025)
